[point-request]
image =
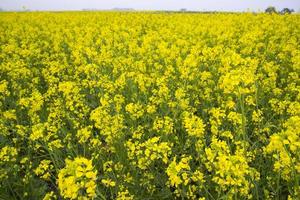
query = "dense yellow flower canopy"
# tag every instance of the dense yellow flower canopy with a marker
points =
(149, 105)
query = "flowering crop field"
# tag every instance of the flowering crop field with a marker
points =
(124, 105)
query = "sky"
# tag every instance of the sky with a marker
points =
(195, 5)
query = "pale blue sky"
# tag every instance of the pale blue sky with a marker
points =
(197, 5)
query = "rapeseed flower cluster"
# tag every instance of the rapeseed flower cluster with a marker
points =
(77, 180)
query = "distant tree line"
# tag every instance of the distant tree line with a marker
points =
(272, 9)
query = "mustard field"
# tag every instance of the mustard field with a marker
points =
(149, 106)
